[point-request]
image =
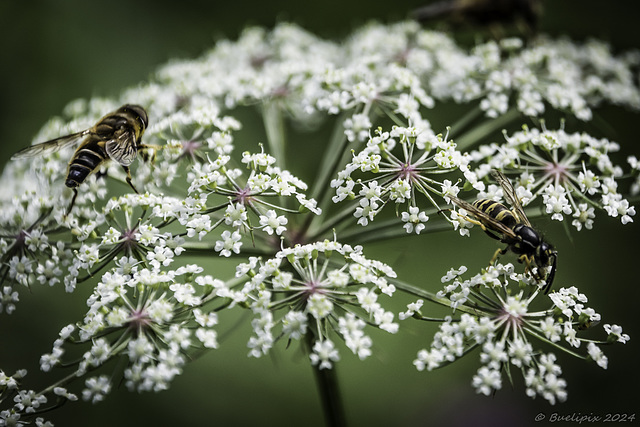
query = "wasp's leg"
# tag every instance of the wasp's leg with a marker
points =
(492, 235)
(528, 261)
(498, 252)
(466, 218)
(551, 275)
(474, 221)
(481, 225)
(126, 169)
(524, 259)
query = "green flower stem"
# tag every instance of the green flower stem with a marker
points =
(478, 133)
(317, 230)
(466, 351)
(69, 378)
(555, 344)
(274, 127)
(430, 319)
(207, 249)
(105, 260)
(412, 290)
(391, 114)
(376, 230)
(390, 229)
(335, 152)
(464, 121)
(272, 206)
(328, 387)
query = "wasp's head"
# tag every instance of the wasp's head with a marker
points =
(544, 253)
(547, 256)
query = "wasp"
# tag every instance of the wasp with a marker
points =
(115, 137)
(511, 226)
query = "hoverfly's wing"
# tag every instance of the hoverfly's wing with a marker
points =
(122, 148)
(483, 218)
(511, 196)
(51, 146)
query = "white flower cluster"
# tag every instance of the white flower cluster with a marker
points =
(565, 75)
(140, 226)
(498, 319)
(403, 162)
(571, 172)
(26, 403)
(321, 287)
(149, 316)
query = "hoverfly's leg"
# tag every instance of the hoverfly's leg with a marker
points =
(126, 169)
(148, 156)
(73, 201)
(100, 174)
(148, 152)
(150, 147)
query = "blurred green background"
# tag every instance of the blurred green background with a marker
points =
(54, 51)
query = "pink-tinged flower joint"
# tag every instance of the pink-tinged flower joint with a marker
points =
(573, 174)
(493, 313)
(325, 290)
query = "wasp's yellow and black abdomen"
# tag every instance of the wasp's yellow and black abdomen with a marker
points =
(496, 210)
(89, 155)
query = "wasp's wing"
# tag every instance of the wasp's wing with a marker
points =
(485, 219)
(50, 146)
(122, 148)
(511, 196)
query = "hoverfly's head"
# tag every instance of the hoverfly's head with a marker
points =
(140, 113)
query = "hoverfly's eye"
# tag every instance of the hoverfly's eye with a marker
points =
(142, 114)
(142, 117)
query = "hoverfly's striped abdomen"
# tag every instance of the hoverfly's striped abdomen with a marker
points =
(497, 211)
(115, 137)
(89, 155)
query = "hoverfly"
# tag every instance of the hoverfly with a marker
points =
(512, 227)
(116, 137)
